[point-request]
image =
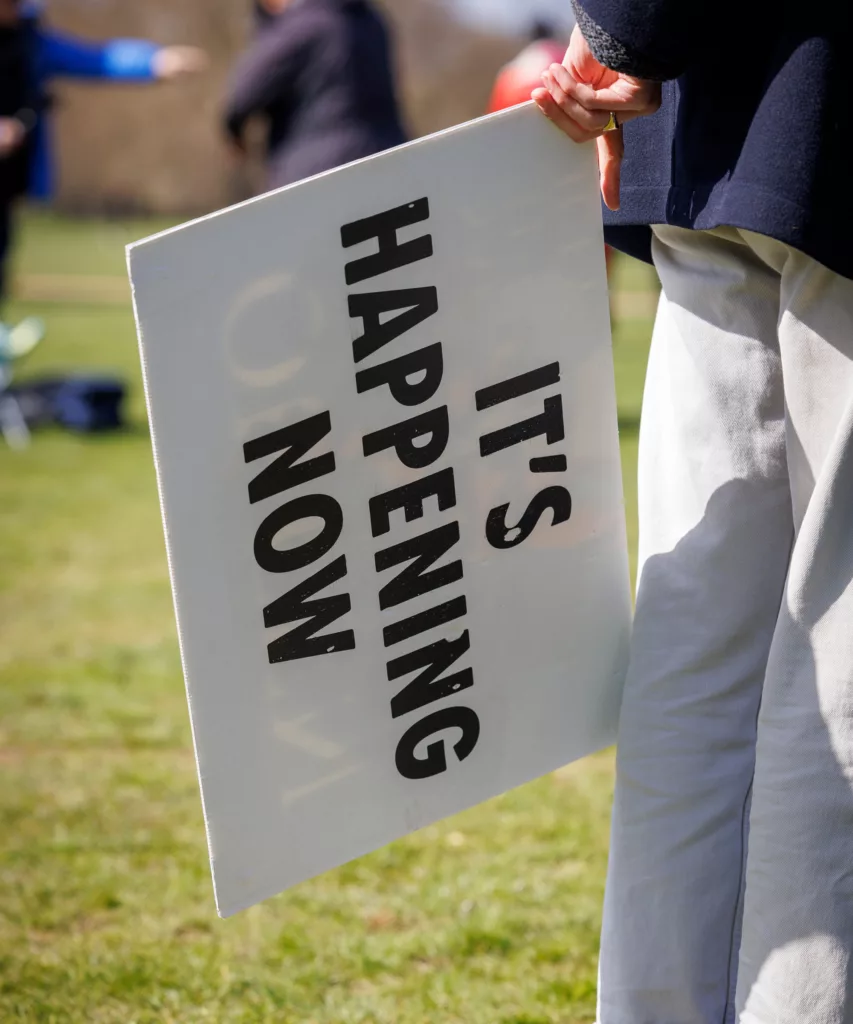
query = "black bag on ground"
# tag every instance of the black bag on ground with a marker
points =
(80, 403)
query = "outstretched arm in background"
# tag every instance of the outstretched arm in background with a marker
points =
(118, 60)
(122, 60)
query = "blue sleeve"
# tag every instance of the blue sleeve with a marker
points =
(126, 60)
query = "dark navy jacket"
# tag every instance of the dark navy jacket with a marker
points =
(755, 127)
(321, 73)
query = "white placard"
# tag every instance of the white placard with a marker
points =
(384, 424)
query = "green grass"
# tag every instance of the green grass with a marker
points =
(58, 245)
(106, 912)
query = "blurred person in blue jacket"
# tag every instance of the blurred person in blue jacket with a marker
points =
(31, 56)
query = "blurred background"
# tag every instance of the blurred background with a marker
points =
(106, 908)
(124, 150)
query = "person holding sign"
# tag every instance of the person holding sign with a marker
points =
(320, 74)
(730, 891)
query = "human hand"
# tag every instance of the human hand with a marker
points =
(176, 61)
(579, 96)
(12, 135)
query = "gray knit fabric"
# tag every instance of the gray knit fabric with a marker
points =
(615, 55)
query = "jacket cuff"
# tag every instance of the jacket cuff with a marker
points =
(130, 59)
(613, 54)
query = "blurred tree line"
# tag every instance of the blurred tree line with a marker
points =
(128, 149)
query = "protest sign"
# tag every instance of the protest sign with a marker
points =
(384, 424)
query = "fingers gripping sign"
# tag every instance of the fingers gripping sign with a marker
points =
(579, 120)
(582, 97)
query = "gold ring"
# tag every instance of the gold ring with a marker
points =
(612, 125)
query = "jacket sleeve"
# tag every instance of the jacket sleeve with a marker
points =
(656, 39)
(266, 73)
(124, 60)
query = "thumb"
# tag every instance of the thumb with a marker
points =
(611, 149)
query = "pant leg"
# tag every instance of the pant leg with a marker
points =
(796, 962)
(715, 537)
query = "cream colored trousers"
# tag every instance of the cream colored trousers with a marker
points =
(730, 887)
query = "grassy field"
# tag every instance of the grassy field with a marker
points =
(106, 912)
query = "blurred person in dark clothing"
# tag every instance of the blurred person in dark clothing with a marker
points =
(320, 73)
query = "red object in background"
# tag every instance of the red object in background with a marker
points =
(521, 76)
